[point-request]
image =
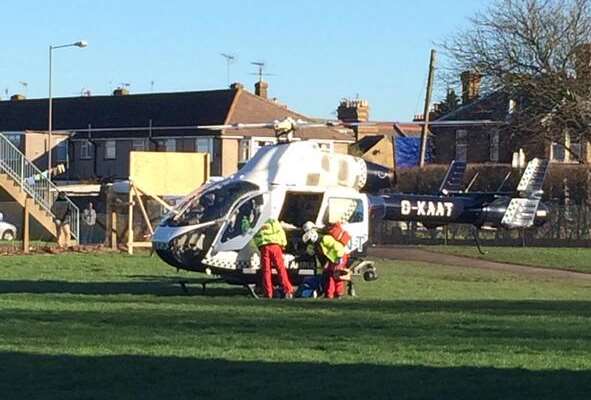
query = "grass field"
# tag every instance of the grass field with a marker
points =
(574, 259)
(116, 327)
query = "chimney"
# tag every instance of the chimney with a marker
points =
(356, 111)
(237, 86)
(353, 110)
(583, 62)
(121, 91)
(17, 97)
(261, 89)
(470, 86)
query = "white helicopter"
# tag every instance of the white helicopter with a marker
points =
(295, 182)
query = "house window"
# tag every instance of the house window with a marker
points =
(557, 152)
(138, 145)
(110, 150)
(494, 145)
(568, 151)
(61, 151)
(575, 154)
(204, 145)
(261, 143)
(170, 144)
(461, 145)
(243, 150)
(15, 139)
(86, 150)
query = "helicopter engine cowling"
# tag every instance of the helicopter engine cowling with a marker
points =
(378, 178)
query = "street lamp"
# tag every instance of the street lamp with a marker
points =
(80, 44)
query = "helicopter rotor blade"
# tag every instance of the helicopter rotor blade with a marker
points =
(238, 126)
(324, 123)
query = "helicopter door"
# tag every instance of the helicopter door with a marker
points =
(352, 214)
(242, 222)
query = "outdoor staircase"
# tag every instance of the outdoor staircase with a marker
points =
(21, 179)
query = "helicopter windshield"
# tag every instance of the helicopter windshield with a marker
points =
(212, 203)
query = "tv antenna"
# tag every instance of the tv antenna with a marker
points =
(230, 59)
(152, 86)
(261, 67)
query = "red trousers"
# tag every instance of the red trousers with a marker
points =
(334, 286)
(272, 256)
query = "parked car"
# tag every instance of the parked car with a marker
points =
(7, 231)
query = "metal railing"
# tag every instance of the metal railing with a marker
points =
(34, 182)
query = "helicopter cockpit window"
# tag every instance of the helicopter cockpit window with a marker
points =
(343, 210)
(213, 203)
(298, 208)
(243, 218)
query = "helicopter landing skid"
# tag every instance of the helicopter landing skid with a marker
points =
(251, 289)
(203, 283)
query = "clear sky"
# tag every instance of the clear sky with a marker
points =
(320, 51)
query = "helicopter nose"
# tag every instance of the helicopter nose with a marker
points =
(542, 215)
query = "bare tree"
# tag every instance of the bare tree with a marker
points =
(538, 52)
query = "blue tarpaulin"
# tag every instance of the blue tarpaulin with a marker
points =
(408, 150)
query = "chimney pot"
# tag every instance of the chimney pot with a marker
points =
(120, 92)
(236, 86)
(17, 97)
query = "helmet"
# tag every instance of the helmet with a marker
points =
(310, 236)
(308, 226)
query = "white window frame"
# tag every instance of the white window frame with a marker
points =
(244, 151)
(461, 145)
(110, 150)
(86, 150)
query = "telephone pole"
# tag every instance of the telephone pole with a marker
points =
(425, 129)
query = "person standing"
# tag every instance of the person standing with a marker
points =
(332, 255)
(271, 241)
(62, 212)
(89, 218)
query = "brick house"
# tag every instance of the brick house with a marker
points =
(102, 130)
(491, 142)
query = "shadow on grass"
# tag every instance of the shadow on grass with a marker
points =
(30, 376)
(154, 286)
(145, 286)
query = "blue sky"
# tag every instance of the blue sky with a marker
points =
(320, 51)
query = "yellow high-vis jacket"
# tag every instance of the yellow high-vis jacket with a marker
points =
(271, 233)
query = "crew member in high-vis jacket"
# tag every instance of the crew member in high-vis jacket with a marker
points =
(332, 255)
(271, 241)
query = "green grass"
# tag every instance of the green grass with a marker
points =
(117, 327)
(574, 259)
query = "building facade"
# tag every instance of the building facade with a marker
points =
(96, 134)
(487, 139)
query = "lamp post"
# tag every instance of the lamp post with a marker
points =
(81, 44)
